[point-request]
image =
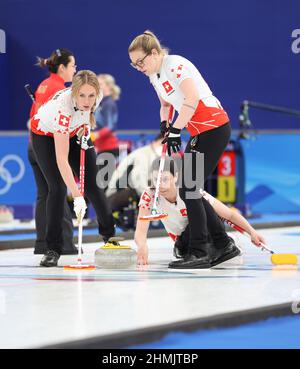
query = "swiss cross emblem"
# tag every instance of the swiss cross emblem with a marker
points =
(179, 68)
(183, 212)
(146, 197)
(64, 121)
(167, 86)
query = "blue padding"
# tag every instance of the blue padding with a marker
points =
(274, 333)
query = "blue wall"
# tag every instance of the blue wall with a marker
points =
(242, 48)
(272, 173)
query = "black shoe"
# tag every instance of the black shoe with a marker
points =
(113, 240)
(179, 252)
(191, 262)
(50, 259)
(228, 252)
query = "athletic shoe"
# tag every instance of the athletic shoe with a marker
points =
(50, 259)
(230, 251)
(198, 258)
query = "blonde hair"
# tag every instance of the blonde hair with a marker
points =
(109, 80)
(88, 77)
(146, 42)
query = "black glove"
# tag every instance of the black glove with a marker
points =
(163, 128)
(173, 140)
(83, 136)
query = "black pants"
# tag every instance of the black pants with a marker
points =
(40, 212)
(122, 198)
(44, 150)
(204, 224)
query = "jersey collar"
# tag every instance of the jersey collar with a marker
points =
(57, 78)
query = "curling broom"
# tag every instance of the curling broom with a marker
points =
(79, 265)
(276, 259)
(155, 215)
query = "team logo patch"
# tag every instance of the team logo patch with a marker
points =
(146, 197)
(64, 121)
(183, 212)
(168, 87)
(178, 71)
(42, 89)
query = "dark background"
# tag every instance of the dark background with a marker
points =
(241, 47)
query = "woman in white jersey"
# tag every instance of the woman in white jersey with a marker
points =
(178, 82)
(176, 224)
(54, 138)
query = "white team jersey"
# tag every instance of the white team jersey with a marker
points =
(59, 114)
(174, 70)
(177, 220)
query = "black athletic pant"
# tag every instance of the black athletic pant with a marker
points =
(204, 223)
(44, 150)
(40, 211)
(121, 198)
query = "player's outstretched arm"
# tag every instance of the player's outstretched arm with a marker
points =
(225, 212)
(140, 237)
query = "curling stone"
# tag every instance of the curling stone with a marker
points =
(115, 256)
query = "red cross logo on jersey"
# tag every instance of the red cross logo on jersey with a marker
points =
(167, 86)
(183, 212)
(178, 75)
(146, 197)
(64, 121)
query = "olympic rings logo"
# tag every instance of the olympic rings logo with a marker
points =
(6, 176)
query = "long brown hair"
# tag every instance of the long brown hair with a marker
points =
(58, 57)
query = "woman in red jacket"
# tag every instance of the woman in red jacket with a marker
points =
(61, 65)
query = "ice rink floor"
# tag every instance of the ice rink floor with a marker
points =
(40, 306)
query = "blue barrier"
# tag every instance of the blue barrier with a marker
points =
(272, 171)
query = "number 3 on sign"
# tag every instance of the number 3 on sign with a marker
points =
(226, 166)
(226, 161)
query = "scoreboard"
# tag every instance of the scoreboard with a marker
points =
(227, 183)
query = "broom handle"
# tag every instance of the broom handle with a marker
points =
(161, 164)
(161, 167)
(81, 189)
(242, 230)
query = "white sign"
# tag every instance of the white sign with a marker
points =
(296, 42)
(7, 178)
(2, 42)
